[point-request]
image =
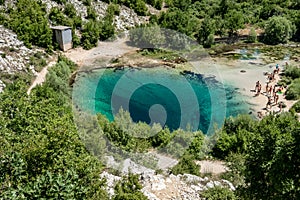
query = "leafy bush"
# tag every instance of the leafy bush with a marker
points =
(278, 30)
(90, 34)
(113, 9)
(274, 150)
(293, 91)
(252, 36)
(284, 81)
(60, 1)
(296, 107)
(41, 154)
(235, 137)
(31, 25)
(91, 13)
(236, 173)
(292, 71)
(186, 165)
(147, 37)
(129, 189)
(70, 10)
(218, 193)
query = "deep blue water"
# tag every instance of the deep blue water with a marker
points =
(159, 95)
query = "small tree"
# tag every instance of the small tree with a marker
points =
(252, 36)
(278, 30)
(207, 28)
(234, 20)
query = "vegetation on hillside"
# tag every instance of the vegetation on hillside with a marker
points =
(201, 20)
(42, 156)
(268, 155)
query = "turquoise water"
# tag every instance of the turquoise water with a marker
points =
(159, 95)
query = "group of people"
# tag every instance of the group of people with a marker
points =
(271, 91)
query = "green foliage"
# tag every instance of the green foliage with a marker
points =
(252, 35)
(206, 31)
(278, 30)
(296, 107)
(90, 34)
(57, 17)
(113, 9)
(107, 28)
(236, 165)
(234, 20)
(129, 189)
(235, 136)
(147, 37)
(273, 159)
(139, 6)
(87, 2)
(178, 20)
(2, 2)
(70, 10)
(60, 1)
(38, 61)
(218, 193)
(41, 154)
(158, 4)
(182, 5)
(293, 91)
(94, 29)
(28, 20)
(91, 13)
(186, 165)
(292, 72)
(196, 146)
(258, 152)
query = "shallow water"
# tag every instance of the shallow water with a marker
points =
(159, 95)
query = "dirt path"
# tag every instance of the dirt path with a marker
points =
(41, 77)
(104, 51)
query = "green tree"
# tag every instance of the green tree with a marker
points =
(41, 154)
(90, 34)
(234, 20)
(147, 37)
(252, 36)
(28, 20)
(272, 163)
(278, 30)
(207, 28)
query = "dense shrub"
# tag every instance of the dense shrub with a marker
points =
(90, 34)
(271, 148)
(252, 36)
(292, 71)
(186, 165)
(31, 25)
(296, 107)
(218, 193)
(41, 154)
(278, 30)
(293, 91)
(129, 188)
